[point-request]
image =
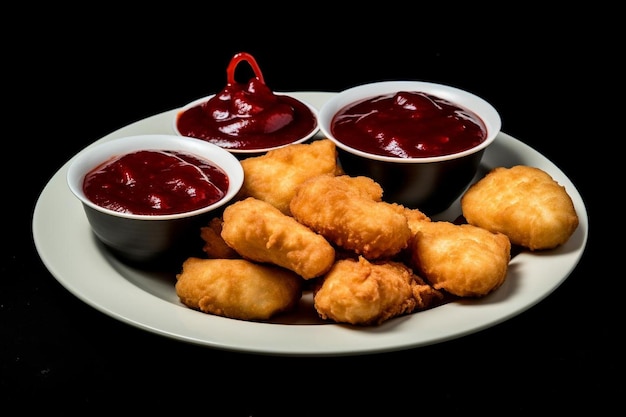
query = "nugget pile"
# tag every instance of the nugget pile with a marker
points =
(299, 223)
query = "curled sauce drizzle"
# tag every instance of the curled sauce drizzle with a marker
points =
(247, 116)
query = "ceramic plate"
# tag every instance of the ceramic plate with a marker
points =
(147, 300)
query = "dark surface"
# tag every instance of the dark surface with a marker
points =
(84, 80)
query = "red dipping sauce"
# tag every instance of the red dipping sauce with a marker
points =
(155, 182)
(247, 116)
(408, 124)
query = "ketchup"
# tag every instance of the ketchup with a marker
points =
(247, 116)
(155, 182)
(408, 124)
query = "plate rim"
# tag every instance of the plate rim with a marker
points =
(118, 297)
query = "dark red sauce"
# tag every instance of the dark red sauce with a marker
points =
(408, 125)
(247, 116)
(155, 182)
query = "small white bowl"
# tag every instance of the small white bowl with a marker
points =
(246, 153)
(430, 184)
(146, 238)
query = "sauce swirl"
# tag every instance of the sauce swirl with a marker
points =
(155, 182)
(408, 124)
(247, 116)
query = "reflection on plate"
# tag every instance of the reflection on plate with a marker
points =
(148, 300)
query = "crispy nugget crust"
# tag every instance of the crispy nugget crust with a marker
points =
(214, 245)
(525, 203)
(260, 232)
(273, 177)
(363, 293)
(464, 260)
(414, 218)
(345, 210)
(237, 288)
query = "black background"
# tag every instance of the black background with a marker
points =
(73, 76)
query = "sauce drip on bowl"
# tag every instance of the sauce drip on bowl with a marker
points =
(247, 116)
(155, 182)
(408, 124)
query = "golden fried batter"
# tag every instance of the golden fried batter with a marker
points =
(364, 293)
(237, 288)
(414, 218)
(260, 232)
(273, 177)
(344, 210)
(363, 187)
(214, 245)
(525, 203)
(464, 260)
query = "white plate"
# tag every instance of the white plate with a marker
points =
(148, 300)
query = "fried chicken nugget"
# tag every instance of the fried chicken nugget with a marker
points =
(464, 260)
(363, 187)
(342, 209)
(414, 217)
(214, 245)
(260, 232)
(525, 203)
(237, 288)
(273, 177)
(364, 293)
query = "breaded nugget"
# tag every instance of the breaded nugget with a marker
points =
(364, 293)
(414, 217)
(525, 203)
(341, 209)
(273, 177)
(363, 187)
(214, 245)
(237, 288)
(259, 231)
(464, 260)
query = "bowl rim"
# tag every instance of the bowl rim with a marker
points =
(464, 98)
(99, 152)
(244, 152)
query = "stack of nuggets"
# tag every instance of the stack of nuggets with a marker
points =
(366, 260)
